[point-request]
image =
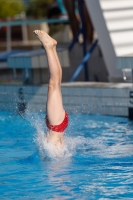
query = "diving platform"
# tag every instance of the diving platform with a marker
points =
(34, 64)
(113, 22)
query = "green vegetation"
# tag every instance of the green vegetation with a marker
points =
(9, 8)
(38, 8)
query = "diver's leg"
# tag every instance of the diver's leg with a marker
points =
(89, 27)
(59, 65)
(70, 7)
(55, 110)
(88, 24)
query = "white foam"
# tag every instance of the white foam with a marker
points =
(70, 144)
(67, 150)
(46, 149)
(107, 144)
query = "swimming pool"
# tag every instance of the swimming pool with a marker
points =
(95, 163)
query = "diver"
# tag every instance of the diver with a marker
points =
(56, 118)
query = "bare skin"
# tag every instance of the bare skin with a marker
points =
(75, 23)
(54, 106)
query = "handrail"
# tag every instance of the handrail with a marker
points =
(28, 22)
(86, 55)
(24, 22)
(75, 39)
(82, 64)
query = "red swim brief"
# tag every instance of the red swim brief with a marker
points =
(58, 128)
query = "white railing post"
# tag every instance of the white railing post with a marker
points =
(24, 28)
(8, 36)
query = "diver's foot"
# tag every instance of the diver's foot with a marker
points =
(45, 39)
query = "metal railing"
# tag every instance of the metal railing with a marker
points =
(23, 23)
(86, 55)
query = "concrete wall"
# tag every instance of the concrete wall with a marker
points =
(108, 51)
(91, 98)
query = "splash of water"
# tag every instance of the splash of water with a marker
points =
(108, 143)
(46, 149)
(67, 150)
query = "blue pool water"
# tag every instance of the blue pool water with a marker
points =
(96, 161)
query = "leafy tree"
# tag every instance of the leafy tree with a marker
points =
(38, 8)
(9, 8)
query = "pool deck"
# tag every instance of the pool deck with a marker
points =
(114, 99)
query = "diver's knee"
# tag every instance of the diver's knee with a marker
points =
(53, 84)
